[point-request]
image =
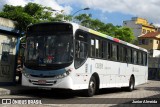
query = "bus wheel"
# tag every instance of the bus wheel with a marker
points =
(131, 84)
(91, 87)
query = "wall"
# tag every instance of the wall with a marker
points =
(155, 44)
(137, 29)
(9, 44)
(148, 46)
(7, 57)
(141, 21)
(148, 29)
(155, 53)
(138, 24)
(154, 68)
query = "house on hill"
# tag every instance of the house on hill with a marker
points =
(151, 42)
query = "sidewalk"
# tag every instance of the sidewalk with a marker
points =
(11, 90)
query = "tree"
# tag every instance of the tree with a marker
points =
(108, 29)
(125, 33)
(35, 13)
(119, 32)
(29, 14)
(83, 19)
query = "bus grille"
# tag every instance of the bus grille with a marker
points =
(52, 76)
(47, 83)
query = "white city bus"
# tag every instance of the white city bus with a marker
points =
(69, 56)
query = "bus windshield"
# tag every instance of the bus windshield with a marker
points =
(48, 49)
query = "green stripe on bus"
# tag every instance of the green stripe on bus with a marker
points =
(97, 33)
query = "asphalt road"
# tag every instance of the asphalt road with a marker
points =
(144, 95)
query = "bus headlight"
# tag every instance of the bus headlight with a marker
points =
(64, 74)
(26, 74)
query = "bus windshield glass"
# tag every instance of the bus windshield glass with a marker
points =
(49, 49)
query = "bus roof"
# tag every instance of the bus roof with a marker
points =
(97, 34)
(109, 37)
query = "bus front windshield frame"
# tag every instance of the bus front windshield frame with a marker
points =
(48, 49)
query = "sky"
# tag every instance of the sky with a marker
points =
(107, 11)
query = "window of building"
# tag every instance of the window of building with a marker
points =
(5, 52)
(144, 41)
(140, 42)
(143, 31)
(151, 41)
(125, 23)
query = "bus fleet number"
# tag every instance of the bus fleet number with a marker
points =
(99, 65)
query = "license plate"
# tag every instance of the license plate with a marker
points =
(41, 81)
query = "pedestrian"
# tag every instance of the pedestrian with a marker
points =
(19, 70)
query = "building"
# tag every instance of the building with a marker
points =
(151, 42)
(139, 26)
(9, 44)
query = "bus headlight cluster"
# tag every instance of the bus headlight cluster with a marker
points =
(26, 74)
(64, 74)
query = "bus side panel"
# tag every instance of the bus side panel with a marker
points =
(81, 76)
(140, 73)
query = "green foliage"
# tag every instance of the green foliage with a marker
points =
(123, 33)
(83, 19)
(108, 29)
(29, 14)
(35, 13)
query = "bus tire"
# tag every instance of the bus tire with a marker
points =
(91, 87)
(131, 84)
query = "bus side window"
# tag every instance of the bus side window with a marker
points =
(124, 54)
(118, 58)
(114, 52)
(139, 58)
(104, 49)
(77, 49)
(129, 56)
(100, 49)
(120, 49)
(80, 53)
(92, 52)
(144, 59)
(81, 48)
(135, 57)
(109, 50)
(97, 48)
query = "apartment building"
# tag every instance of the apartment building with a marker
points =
(139, 26)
